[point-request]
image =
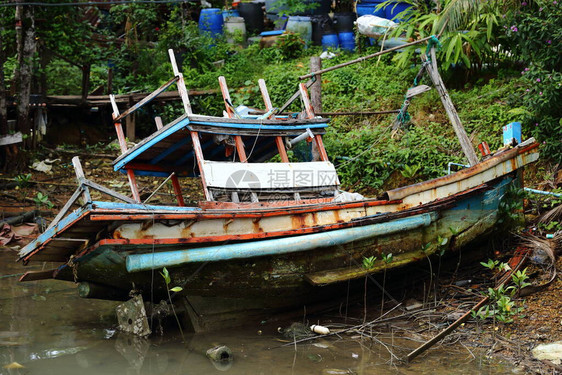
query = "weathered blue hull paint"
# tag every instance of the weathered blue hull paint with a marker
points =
(124, 207)
(142, 262)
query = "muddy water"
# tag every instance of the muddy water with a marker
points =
(48, 329)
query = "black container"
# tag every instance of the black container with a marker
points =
(321, 25)
(253, 16)
(344, 22)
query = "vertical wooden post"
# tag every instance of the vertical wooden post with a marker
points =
(180, 83)
(466, 146)
(268, 107)
(130, 122)
(316, 88)
(81, 177)
(123, 145)
(320, 146)
(85, 81)
(238, 139)
(199, 155)
(226, 96)
(265, 94)
(158, 121)
(177, 190)
(306, 100)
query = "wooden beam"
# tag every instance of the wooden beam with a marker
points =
(199, 155)
(177, 190)
(268, 107)
(466, 145)
(146, 99)
(180, 84)
(123, 145)
(306, 100)
(81, 177)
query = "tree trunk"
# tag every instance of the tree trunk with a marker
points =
(85, 82)
(25, 29)
(3, 107)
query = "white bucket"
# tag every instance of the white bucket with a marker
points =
(235, 30)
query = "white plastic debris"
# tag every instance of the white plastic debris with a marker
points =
(374, 26)
(321, 330)
(44, 166)
(327, 55)
(344, 196)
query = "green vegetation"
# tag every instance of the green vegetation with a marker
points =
(43, 200)
(500, 62)
(501, 306)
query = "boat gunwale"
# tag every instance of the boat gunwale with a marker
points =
(484, 165)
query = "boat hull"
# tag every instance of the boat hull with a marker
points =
(222, 291)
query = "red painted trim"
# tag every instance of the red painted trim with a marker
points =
(177, 190)
(281, 149)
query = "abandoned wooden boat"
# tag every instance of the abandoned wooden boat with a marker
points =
(270, 235)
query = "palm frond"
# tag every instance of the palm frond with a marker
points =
(458, 13)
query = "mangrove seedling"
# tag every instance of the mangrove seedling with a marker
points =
(387, 259)
(368, 263)
(43, 200)
(166, 275)
(426, 249)
(23, 180)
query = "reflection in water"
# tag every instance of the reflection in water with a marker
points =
(48, 329)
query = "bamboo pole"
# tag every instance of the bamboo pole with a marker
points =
(310, 75)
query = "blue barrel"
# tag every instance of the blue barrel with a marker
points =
(365, 8)
(330, 41)
(394, 9)
(347, 41)
(211, 22)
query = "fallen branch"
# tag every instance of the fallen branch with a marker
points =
(519, 258)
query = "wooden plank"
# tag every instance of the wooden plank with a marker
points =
(146, 99)
(287, 175)
(466, 145)
(66, 207)
(38, 275)
(306, 100)
(177, 190)
(118, 127)
(416, 90)
(81, 177)
(10, 139)
(180, 83)
(269, 107)
(158, 121)
(108, 191)
(200, 160)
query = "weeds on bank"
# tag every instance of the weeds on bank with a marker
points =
(502, 307)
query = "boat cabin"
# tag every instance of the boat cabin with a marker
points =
(261, 159)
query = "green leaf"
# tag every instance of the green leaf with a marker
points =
(176, 289)
(166, 275)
